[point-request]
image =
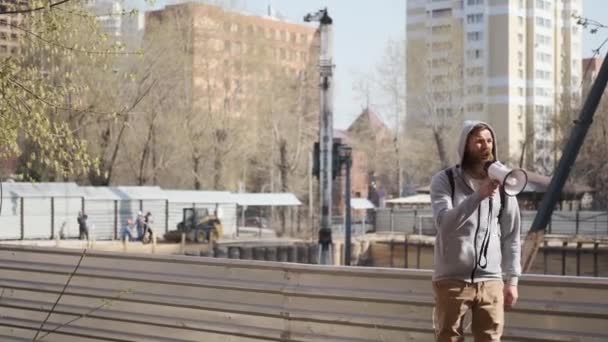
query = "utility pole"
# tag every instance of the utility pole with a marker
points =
(325, 131)
(577, 136)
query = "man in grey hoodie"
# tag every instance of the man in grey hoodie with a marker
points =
(477, 248)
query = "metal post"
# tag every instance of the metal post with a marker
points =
(325, 128)
(564, 247)
(115, 219)
(596, 269)
(570, 151)
(52, 217)
(405, 251)
(577, 221)
(546, 257)
(310, 193)
(347, 237)
(392, 252)
(579, 246)
(22, 220)
(243, 208)
(166, 216)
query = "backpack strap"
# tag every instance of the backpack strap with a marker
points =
(503, 198)
(450, 175)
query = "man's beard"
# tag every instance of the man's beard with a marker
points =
(470, 160)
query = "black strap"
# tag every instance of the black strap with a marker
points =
(503, 198)
(450, 174)
(501, 190)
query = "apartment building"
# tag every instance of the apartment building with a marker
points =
(9, 26)
(229, 47)
(115, 19)
(513, 63)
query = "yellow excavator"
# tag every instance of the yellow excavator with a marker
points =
(197, 225)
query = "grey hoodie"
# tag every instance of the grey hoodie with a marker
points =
(466, 224)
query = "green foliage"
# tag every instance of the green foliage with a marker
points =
(44, 89)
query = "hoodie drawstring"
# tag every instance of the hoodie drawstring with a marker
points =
(485, 242)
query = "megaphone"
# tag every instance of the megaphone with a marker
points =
(513, 181)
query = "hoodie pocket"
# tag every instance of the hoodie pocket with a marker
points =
(458, 256)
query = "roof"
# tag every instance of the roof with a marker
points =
(18, 189)
(414, 199)
(193, 196)
(139, 192)
(540, 183)
(372, 119)
(102, 193)
(361, 203)
(266, 199)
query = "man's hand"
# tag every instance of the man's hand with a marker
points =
(489, 187)
(511, 295)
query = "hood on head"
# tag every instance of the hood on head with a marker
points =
(467, 127)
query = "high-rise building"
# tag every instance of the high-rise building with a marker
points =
(513, 63)
(10, 26)
(120, 22)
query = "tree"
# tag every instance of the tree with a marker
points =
(44, 88)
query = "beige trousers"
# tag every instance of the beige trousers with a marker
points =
(453, 298)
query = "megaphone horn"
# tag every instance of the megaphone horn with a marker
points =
(513, 181)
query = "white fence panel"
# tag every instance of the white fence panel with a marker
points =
(101, 219)
(10, 218)
(37, 218)
(66, 215)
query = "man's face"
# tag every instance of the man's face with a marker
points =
(480, 146)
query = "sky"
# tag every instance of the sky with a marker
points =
(362, 29)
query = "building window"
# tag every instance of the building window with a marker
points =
(476, 71)
(442, 13)
(543, 74)
(475, 18)
(543, 4)
(544, 22)
(474, 54)
(475, 107)
(544, 57)
(473, 90)
(439, 29)
(541, 39)
(474, 36)
(520, 58)
(474, 2)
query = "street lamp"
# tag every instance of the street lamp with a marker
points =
(325, 130)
